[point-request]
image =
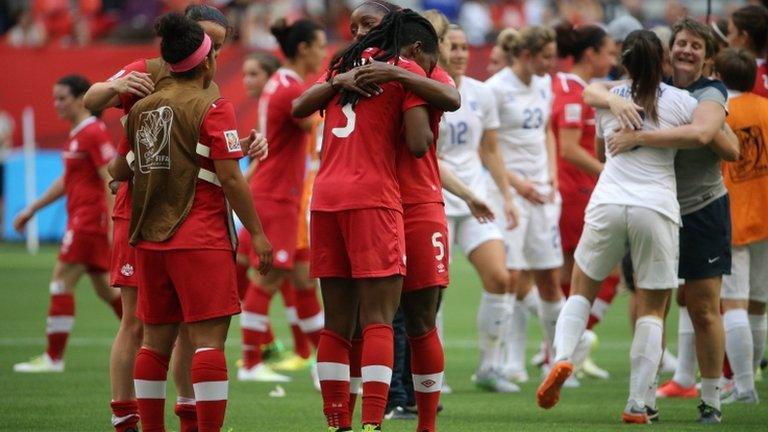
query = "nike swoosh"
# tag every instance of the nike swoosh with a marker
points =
(712, 260)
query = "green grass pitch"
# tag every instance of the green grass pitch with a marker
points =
(78, 399)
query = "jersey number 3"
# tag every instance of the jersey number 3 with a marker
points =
(346, 131)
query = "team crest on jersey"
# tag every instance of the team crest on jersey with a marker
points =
(233, 141)
(153, 139)
(126, 270)
(282, 256)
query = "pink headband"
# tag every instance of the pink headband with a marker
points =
(195, 58)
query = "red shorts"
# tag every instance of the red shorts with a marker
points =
(90, 249)
(280, 221)
(572, 224)
(359, 243)
(426, 246)
(123, 269)
(244, 245)
(186, 285)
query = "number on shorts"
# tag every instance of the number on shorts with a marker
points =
(346, 131)
(439, 245)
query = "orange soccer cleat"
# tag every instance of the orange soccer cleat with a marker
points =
(548, 393)
(671, 389)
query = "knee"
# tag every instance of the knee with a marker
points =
(704, 317)
(419, 324)
(498, 281)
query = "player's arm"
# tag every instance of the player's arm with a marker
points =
(107, 179)
(418, 135)
(54, 192)
(441, 96)
(119, 169)
(598, 95)
(552, 162)
(600, 149)
(571, 150)
(106, 94)
(454, 185)
(493, 161)
(726, 144)
(320, 94)
(239, 196)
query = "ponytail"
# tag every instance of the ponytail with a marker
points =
(642, 57)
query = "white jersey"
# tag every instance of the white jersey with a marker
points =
(524, 112)
(461, 132)
(645, 176)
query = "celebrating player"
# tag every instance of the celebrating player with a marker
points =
(748, 29)
(85, 247)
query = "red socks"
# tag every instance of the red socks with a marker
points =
(376, 371)
(186, 411)
(603, 300)
(311, 319)
(333, 371)
(300, 342)
(61, 319)
(125, 415)
(355, 379)
(254, 322)
(149, 377)
(209, 378)
(427, 367)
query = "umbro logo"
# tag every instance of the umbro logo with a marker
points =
(428, 383)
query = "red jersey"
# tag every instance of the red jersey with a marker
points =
(420, 178)
(206, 224)
(570, 112)
(360, 145)
(280, 177)
(761, 80)
(89, 149)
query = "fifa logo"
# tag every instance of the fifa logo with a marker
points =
(153, 139)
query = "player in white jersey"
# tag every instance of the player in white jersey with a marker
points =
(467, 144)
(524, 97)
(634, 202)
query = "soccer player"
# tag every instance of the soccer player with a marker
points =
(499, 58)
(524, 99)
(573, 124)
(181, 225)
(748, 29)
(634, 201)
(745, 291)
(276, 187)
(467, 145)
(85, 247)
(357, 234)
(705, 237)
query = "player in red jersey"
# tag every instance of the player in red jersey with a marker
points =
(748, 29)
(187, 230)
(126, 87)
(276, 187)
(573, 124)
(85, 247)
(357, 235)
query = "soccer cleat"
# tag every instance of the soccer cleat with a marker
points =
(291, 362)
(399, 413)
(727, 390)
(653, 414)
(40, 364)
(635, 414)
(709, 414)
(446, 389)
(592, 370)
(517, 376)
(273, 352)
(572, 382)
(370, 428)
(749, 397)
(540, 358)
(338, 429)
(548, 393)
(260, 373)
(492, 381)
(671, 389)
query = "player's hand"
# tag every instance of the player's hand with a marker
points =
(622, 141)
(528, 191)
(135, 83)
(21, 219)
(255, 145)
(510, 212)
(347, 81)
(377, 72)
(553, 193)
(626, 111)
(480, 210)
(263, 249)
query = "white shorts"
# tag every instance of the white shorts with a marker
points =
(749, 273)
(534, 244)
(653, 240)
(468, 233)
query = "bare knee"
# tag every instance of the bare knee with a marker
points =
(497, 281)
(704, 317)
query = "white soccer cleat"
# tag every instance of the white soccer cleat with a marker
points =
(260, 373)
(517, 376)
(40, 364)
(492, 381)
(592, 370)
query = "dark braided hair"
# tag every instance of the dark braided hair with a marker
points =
(398, 29)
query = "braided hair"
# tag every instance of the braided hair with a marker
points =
(396, 31)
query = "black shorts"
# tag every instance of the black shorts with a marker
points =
(705, 241)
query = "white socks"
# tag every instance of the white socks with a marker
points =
(710, 392)
(645, 356)
(516, 338)
(548, 314)
(491, 320)
(685, 374)
(759, 326)
(570, 326)
(739, 347)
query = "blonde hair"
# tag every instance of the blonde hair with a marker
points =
(532, 39)
(439, 21)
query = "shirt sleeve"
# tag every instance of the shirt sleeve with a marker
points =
(219, 131)
(599, 123)
(712, 93)
(569, 112)
(489, 108)
(99, 146)
(688, 105)
(127, 100)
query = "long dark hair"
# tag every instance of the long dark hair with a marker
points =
(181, 36)
(397, 30)
(642, 56)
(573, 41)
(753, 20)
(290, 36)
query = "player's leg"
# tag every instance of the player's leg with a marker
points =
(121, 359)
(181, 366)
(302, 347)
(516, 334)
(758, 297)
(107, 294)
(683, 382)
(308, 308)
(61, 319)
(150, 372)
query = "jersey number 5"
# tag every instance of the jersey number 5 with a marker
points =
(438, 244)
(346, 131)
